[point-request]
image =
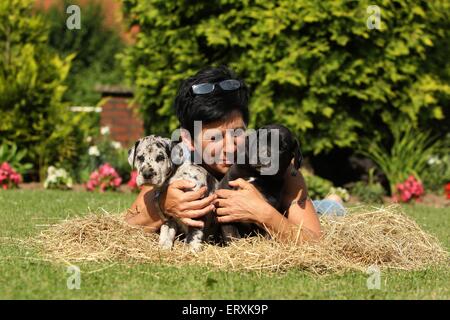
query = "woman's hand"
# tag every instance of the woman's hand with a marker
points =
(186, 205)
(244, 205)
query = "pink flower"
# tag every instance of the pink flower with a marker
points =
(107, 170)
(405, 196)
(117, 181)
(5, 167)
(105, 178)
(90, 186)
(132, 182)
(9, 178)
(16, 178)
(94, 175)
(410, 189)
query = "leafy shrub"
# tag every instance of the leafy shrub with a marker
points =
(67, 143)
(9, 178)
(104, 179)
(101, 149)
(437, 170)
(341, 192)
(31, 89)
(407, 154)
(370, 191)
(10, 154)
(317, 187)
(58, 178)
(312, 65)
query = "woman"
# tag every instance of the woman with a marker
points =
(217, 100)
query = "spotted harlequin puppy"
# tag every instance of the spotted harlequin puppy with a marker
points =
(160, 162)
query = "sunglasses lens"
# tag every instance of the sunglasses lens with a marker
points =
(203, 88)
(230, 84)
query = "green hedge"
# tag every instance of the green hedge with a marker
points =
(31, 89)
(312, 65)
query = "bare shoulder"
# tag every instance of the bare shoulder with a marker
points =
(294, 187)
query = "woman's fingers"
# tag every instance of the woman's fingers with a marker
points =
(193, 214)
(194, 195)
(225, 219)
(192, 223)
(222, 211)
(182, 184)
(199, 204)
(240, 183)
(224, 193)
(218, 203)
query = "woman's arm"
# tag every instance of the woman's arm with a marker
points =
(298, 208)
(290, 229)
(143, 211)
(248, 205)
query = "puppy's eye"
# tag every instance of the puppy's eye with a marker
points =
(160, 157)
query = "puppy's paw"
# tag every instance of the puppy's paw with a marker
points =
(194, 239)
(167, 235)
(195, 246)
(165, 244)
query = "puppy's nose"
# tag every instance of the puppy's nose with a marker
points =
(148, 174)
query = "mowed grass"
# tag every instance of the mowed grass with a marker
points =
(24, 213)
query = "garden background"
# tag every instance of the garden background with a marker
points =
(369, 105)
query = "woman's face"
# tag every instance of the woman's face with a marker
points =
(218, 142)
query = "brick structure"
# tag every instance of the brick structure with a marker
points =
(119, 115)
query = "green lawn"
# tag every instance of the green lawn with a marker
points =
(23, 214)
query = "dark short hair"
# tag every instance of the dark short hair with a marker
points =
(215, 106)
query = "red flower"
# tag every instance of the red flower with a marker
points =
(9, 178)
(408, 190)
(105, 178)
(447, 190)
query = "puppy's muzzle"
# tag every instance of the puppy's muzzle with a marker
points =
(148, 174)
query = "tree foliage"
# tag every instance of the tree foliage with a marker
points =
(31, 89)
(94, 45)
(312, 65)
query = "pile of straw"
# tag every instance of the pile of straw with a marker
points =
(384, 237)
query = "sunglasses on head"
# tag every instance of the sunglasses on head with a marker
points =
(205, 88)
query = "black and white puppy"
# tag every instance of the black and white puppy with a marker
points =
(268, 153)
(159, 162)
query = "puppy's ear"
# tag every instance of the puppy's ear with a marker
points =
(298, 158)
(168, 145)
(132, 154)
